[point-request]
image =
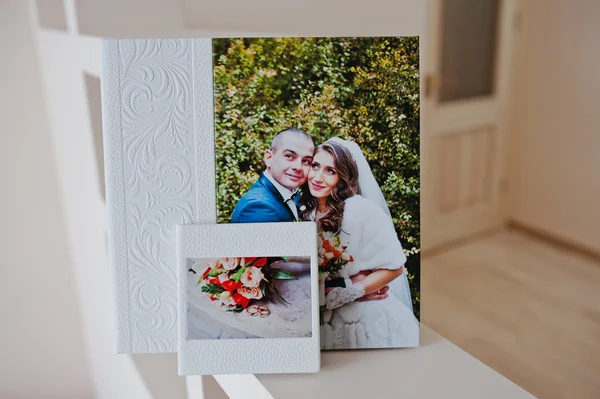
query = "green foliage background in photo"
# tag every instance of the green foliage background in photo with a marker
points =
(362, 89)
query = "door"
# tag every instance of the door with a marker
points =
(466, 65)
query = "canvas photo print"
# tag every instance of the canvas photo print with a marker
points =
(249, 297)
(327, 130)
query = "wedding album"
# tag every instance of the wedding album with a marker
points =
(239, 133)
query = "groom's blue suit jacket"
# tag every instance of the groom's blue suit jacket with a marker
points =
(262, 203)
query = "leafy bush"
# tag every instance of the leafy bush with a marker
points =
(363, 89)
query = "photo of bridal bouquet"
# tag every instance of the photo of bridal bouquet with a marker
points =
(235, 283)
(332, 253)
(249, 297)
(332, 257)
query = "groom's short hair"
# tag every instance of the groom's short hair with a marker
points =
(279, 136)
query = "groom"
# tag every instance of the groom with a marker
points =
(272, 198)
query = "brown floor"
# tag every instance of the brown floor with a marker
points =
(525, 307)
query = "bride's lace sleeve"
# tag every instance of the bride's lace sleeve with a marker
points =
(378, 246)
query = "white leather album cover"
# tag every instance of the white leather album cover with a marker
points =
(157, 100)
(248, 298)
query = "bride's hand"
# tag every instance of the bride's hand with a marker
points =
(338, 296)
(375, 296)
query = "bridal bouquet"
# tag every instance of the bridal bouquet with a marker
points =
(332, 257)
(332, 253)
(237, 282)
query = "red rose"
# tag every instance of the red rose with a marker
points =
(260, 263)
(337, 253)
(241, 300)
(214, 280)
(249, 259)
(231, 285)
(213, 298)
(351, 258)
(327, 246)
(325, 262)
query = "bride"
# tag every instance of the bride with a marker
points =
(342, 196)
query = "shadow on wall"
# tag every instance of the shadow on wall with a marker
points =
(92, 88)
(159, 372)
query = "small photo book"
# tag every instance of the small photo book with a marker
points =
(248, 298)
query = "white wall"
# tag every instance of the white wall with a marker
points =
(41, 341)
(555, 128)
(307, 17)
(69, 66)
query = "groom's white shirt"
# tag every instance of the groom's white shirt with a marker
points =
(285, 193)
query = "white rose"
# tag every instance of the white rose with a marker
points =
(202, 265)
(223, 277)
(328, 255)
(250, 293)
(321, 251)
(226, 299)
(328, 236)
(251, 277)
(230, 263)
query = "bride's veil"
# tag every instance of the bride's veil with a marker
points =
(370, 190)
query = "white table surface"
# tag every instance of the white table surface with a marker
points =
(438, 369)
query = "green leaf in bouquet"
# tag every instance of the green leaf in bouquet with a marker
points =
(216, 272)
(191, 271)
(285, 258)
(280, 274)
(212, 289)
(238, 275)
(263, 289)
(237, 309)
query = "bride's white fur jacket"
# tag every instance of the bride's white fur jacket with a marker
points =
(371, 238)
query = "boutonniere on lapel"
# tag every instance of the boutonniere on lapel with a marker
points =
(297, 193)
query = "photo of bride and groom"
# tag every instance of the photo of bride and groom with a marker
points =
(367, 301)
(327, 130)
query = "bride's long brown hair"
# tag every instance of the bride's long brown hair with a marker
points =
(346, 187)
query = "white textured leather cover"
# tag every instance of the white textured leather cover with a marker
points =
(157, 105)
(245, 356)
